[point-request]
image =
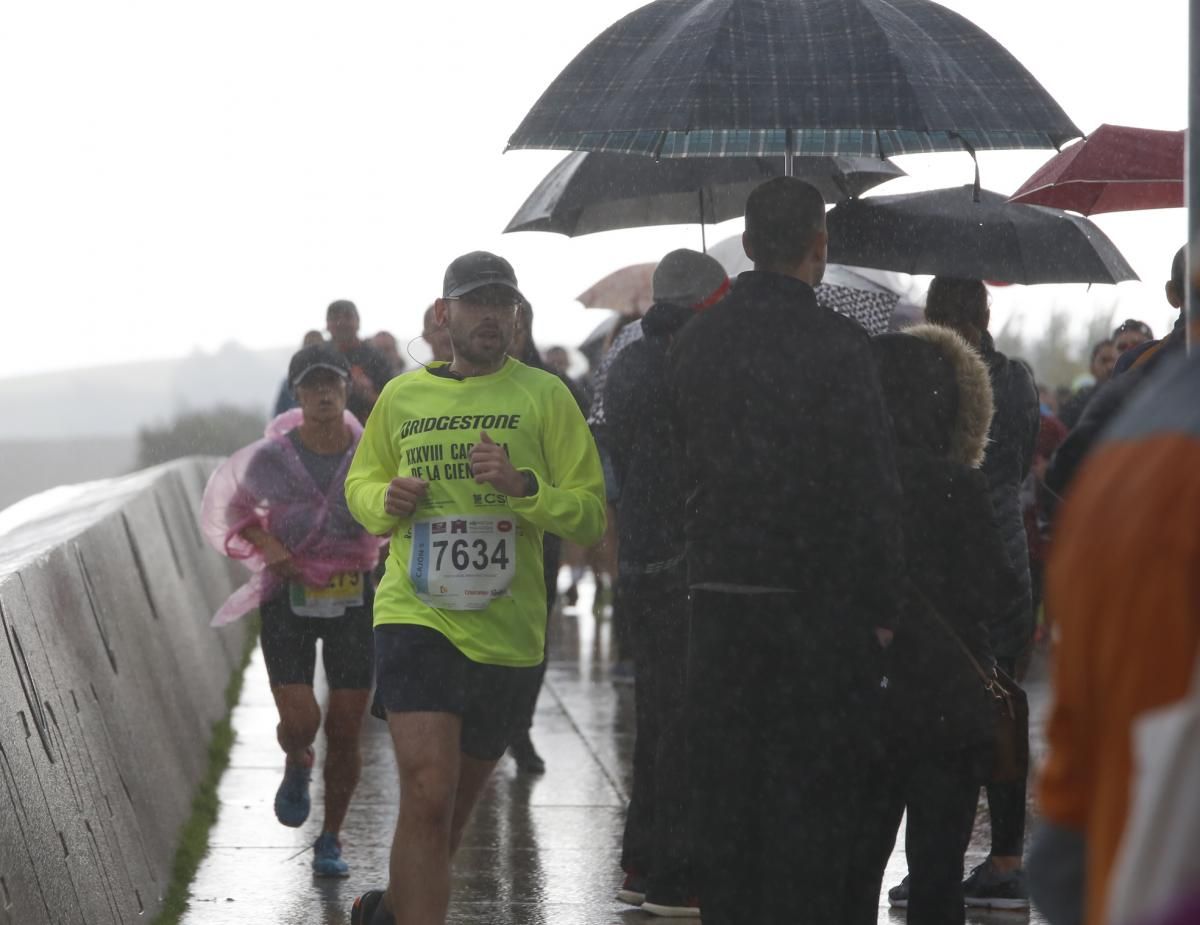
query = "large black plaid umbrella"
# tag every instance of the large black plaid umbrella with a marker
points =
(975, 234)
(590, 192)
(719, 78)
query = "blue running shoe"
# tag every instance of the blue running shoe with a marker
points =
(292, 802)
(327, 857)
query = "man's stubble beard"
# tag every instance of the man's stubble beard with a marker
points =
(464, 350)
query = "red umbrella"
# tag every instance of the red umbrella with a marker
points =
(1114, 169)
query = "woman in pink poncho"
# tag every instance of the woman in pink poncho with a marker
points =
(279, 506)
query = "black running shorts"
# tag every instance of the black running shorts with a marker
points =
(419, 670)
(289, 644)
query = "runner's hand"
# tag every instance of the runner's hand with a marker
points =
(278, 559)
(403, 495)
(490, 464)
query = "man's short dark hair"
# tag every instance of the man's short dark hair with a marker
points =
(1132, 324)
(1178, 268)
(342, 307)
(782, 217)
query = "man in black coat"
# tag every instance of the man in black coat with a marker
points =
(794, 555)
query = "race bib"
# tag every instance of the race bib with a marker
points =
(463, 562)
(345, 589)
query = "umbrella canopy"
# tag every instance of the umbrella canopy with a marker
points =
(1114, 169)
(975, 234)
(721, 78)
(589, 192)
(627, 291)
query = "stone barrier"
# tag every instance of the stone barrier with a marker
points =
(110, 682)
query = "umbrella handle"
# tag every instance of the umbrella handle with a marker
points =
(971, 151)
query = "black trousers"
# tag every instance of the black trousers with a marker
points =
(780, 695)
(551, 560)
(656, 841)
(940, 792)
(1006, 803)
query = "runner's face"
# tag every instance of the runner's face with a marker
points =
(482, 323)
(322, 396)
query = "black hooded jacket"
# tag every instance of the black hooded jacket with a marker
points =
(1011, 445)
(788, 456)
(638, 429)
(939, 395)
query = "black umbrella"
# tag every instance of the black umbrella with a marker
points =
(972, 233)
(748, 78)
(590, 192)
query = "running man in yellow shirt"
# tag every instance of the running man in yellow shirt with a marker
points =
(466, 464)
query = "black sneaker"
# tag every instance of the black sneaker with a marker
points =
(363, 910)
(526, 756)
(988, 888)
(898, 895)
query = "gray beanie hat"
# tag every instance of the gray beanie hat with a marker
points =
(690, 278)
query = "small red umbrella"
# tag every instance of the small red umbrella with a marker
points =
(1115, 169)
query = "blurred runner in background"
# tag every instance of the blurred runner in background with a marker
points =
(279, 506)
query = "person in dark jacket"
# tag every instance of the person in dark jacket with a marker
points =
(522, 749)
(1132, 369)
(962, 305)
(653, 584)
(937, 720)
(794, 552)
(1104, 358)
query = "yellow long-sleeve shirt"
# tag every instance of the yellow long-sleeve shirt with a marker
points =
(466, 545)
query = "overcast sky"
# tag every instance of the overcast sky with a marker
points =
(176, 175)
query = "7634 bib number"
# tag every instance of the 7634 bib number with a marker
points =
(463, 562)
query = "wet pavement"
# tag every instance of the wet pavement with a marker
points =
(540, 851)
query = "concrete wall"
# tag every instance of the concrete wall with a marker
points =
(110, 682)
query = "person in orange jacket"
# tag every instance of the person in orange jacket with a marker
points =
(1123, 583)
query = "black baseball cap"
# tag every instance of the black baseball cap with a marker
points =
(317, 356)
(474, 271)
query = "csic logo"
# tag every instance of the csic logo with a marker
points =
(491, 498)
(504, 526)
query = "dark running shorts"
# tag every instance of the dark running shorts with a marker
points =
(419, 670)
(289, 645)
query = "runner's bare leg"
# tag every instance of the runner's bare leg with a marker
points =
(299, 719)
(428, 761)
(343, 758)
(472, 777)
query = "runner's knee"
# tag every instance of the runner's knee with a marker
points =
(427, 795)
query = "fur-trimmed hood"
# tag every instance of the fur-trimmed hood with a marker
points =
(938, 392)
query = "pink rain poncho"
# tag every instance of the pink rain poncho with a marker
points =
(266, 485)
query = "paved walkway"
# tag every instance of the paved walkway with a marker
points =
(540, 851)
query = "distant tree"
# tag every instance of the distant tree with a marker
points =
(215, 432)
(1057, 356)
